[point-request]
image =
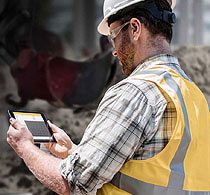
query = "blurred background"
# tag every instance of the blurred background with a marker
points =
(65, 46)
(76, 22)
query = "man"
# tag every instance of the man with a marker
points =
(151, 131)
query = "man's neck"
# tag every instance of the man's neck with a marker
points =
(152, 48)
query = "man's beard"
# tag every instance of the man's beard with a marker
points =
(126, 56)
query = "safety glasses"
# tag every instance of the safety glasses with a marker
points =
(115, 32)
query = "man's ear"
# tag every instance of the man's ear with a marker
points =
(136, 27)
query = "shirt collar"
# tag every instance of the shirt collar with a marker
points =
(163, 58)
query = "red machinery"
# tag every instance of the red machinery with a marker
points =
(41, 74)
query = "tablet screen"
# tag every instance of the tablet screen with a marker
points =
(35, 123)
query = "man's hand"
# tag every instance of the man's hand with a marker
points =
(18, 136)
(64, 146)
(21, 140)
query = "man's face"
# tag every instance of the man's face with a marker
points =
(123, 47)
(125, 54)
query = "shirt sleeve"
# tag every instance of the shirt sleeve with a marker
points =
(111, 139)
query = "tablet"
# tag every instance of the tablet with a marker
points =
(36, 123)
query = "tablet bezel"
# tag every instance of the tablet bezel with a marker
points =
(37, 139)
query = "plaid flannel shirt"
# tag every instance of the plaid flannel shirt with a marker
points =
(133, 121)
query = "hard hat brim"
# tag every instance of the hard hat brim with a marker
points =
(103, 27)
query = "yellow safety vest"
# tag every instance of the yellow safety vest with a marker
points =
(183, 166)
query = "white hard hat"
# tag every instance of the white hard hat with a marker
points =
(111, 7)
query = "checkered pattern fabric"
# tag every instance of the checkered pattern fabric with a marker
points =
(133, 121)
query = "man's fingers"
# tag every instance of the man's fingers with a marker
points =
(8, 139)
(11, 134)
(11, 131)
(12, 121)
(59, 138)
(53, 127)
(15, 123)
(17, 126)
(48, 145)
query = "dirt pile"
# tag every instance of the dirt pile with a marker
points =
(195, 61)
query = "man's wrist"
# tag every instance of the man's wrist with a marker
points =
(24, 148)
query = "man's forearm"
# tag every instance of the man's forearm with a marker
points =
(45, 168)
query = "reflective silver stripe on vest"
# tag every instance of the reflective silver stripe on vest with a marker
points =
(136, 187)
(176, 179)
(180, 71)
(177, 168)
